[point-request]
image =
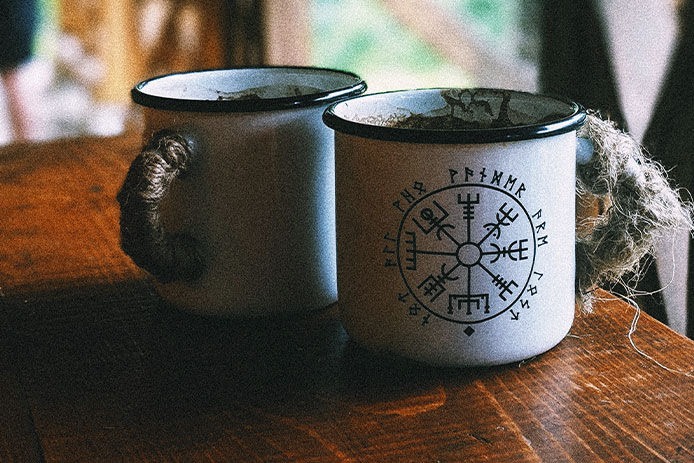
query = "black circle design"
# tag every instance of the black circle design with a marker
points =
(466, 252)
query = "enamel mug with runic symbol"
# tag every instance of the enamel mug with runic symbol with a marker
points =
(456, 222)
(230, 203)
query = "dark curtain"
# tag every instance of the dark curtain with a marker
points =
(575, 62)
(670, 134)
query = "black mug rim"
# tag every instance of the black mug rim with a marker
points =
(561, 125)
(141, 97)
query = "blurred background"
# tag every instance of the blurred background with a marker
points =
(87, 54)
(631, 59)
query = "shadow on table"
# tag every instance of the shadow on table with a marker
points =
(119, 349)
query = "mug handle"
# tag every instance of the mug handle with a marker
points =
(594, 202)
(614, 174)
(168, 257)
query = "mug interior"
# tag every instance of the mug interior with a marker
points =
(455, 115)
(245, 89)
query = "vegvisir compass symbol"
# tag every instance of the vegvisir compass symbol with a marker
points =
(466, 251)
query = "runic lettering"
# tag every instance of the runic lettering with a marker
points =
(425, 319)
(542, 240)
(510, 182)
(532, 290)
(402, 297)
(514, 315)
(468, 173)
(389, 238)
(538, 214)
(540, 227)
(512, 252)
(520, 190)
(389, 261)
(503, 285)
(407, 195)
(525, 303)
(432, 219)
(414, 309)
(539, 275)
(411, 251)
(419, 187)
(396, 203)
(452, 173)
(470, 301)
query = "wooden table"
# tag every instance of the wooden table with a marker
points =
(94, 367)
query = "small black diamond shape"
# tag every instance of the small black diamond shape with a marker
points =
(469, 330)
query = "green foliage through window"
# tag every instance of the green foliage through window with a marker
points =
(363, 37)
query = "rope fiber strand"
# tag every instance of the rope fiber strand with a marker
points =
(641, 207)
(167, 256)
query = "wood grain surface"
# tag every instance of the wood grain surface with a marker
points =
(95, 368)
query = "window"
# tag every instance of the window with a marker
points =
(426, 43)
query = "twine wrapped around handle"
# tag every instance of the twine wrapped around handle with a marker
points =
(639, 206)
(167, 256)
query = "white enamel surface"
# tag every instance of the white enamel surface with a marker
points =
(376, 296)
(267, 82)
(262, 199)
(386, 108)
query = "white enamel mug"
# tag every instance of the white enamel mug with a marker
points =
(230, 204)
(456, 222)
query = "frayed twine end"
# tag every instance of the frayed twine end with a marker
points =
(637, 206)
